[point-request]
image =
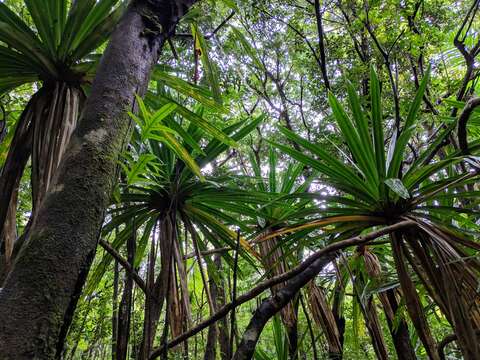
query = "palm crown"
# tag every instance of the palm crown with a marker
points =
(376, 187)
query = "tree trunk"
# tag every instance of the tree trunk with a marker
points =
(291, 331)
(325, 319)
(399, 331)
(115, 311)
(223, 335)
(125, 309)
(211, 346)
(374, 328)
(339, 318)
(150, 302)
(41, 291)
(274, 264)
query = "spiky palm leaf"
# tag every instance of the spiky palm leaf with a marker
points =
(379, 188)
(54, 53)
(167, 194)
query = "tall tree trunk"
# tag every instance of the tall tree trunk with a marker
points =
(151, 302)
(223, 334)
(399, 331)
(115, 311)
(125, 309)
(211, 346)
(165, 285)
(41, 291)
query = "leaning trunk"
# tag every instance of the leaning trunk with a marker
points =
(41, 291)
(274, 304)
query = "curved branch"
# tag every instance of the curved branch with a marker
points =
(447, 340)
(223, 311)
(462, 122)
(275, 303)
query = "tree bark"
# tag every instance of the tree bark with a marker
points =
(211, 346)
(115, 311)
(125, 308)
(223, 334)
(41, 291)
(400, 333)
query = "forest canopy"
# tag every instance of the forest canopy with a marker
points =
(221, 179)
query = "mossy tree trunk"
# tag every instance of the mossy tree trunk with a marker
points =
(41, 291)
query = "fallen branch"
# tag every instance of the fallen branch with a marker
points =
(223, 311)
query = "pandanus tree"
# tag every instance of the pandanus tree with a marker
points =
(277, 254)
(55, 54)
(176, 206)
(378, 187)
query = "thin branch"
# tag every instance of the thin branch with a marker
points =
(128, 268)
(321, 44)
(296, 31)
(386, 57)
(222, 24)
(209, 35)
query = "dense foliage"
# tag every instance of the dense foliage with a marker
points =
(272, 133)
